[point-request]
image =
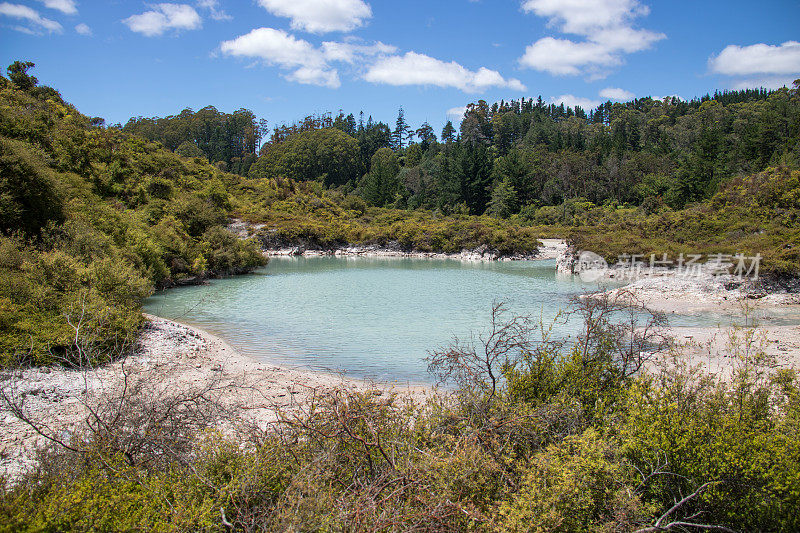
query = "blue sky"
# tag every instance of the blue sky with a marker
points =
(285, 59)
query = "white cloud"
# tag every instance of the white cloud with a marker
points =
(165, 17)
(563, 57)
(215, 11)
(757, 59)
(276, 47)
(313, 65)
(419, 69)
(316, 76)
(456, 113)
(83, 29)
(767, 83)
(67, 7)
(321, 16)
(606, 25)
(626, 39)
(570, 100)
(621, 95)
(23, 29)
(30, 15)
(350, 51)
(582, 17)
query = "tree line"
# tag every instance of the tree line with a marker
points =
(509, 157)
(230, 140)
(515, 157)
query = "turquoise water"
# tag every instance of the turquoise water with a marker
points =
(369, 318)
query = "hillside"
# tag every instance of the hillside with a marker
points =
(92, 220)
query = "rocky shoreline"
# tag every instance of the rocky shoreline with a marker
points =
(550, 249)
(762, 313)
(754, 320)
(765, 322)
(273, 246)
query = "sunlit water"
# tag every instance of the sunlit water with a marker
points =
(370, 318)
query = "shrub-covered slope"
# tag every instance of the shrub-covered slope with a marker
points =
(92, 219)
(756, 214)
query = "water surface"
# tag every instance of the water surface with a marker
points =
(373, 318)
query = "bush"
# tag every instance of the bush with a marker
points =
(29, 199)
(744, 440)
(482, 458)
(581, 484)
(93, 220)
(225, 254)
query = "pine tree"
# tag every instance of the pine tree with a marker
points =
(381, 184)
(504, 202)
(448, 133)
(401, 132)
(426, 135)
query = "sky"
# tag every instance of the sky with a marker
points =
(286, 59)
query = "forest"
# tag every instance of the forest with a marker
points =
(613, 173)
(512, 157)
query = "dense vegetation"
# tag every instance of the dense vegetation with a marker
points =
(520, 155)
(305, 214)
(92, 219)
(538, 436)
(231, 141)
(647, 176)
(752, 214)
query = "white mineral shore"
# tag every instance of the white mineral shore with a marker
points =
(740, 313)
(378, 252)
(550, 249)
(173, 358)
(742, 310)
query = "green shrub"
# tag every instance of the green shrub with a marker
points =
(29, 198)
(581, 484)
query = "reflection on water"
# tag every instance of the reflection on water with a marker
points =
(370, 318)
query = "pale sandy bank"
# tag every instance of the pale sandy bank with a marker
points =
(170, 359)
(760, 318)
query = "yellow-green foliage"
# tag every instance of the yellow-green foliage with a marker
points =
(757, 214)
(101, 492)
(92, 221)
(745, 438)
(358, 462)
(29, 194)
(581, 484)
(50, 296)
(305, 213)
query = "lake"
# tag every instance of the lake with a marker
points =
(373, 318)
